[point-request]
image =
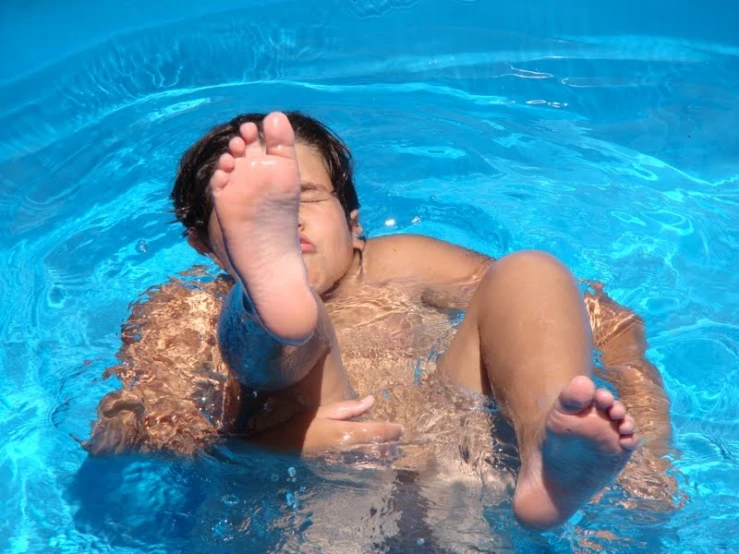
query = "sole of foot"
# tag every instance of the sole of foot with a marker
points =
(256, 192)
(589, 437)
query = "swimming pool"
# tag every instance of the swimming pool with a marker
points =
(605, 135)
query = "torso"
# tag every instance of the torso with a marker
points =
(386, 328)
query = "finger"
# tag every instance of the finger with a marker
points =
(346, 409)
(370, 432)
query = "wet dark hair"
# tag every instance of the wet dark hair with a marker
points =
(193, 202)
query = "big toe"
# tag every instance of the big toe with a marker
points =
(279, 136)
(577, 395)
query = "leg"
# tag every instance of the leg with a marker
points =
(526, 339)
(274, 332)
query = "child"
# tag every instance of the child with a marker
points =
(315, 310)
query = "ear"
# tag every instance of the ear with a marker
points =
(356, 230)
(194, 240)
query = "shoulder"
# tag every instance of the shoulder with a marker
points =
(407, 244)
(420, 257)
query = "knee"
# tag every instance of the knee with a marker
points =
(532, 261)
(527, 266)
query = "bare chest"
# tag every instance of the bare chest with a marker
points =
(387, 336)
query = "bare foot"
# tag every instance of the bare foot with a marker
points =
(256, 191)
(589, 438)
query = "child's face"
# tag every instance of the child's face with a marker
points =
(327, 241)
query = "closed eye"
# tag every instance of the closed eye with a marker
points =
(306, 185)
(310, 192)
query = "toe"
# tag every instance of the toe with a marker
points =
(249, 132)
(617, 411)
(237, 147)
(279, 137)
(226, 163)
(627, 426)
(603, 399)
(219, 179)
(578, 395)
(629, 442)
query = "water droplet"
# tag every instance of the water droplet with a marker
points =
(290, 499)
(390, 222)
(291, 471)
(230, 500)
(421, 542)
(274, 477)
(416, 220)
(142, 247)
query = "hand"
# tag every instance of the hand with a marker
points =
(329, 429)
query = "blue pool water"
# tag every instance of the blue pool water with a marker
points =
(606, 135)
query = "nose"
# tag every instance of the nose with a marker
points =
(301, 224)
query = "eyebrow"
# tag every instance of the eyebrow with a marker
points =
(312, 185)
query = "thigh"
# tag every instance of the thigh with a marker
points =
(526, 307)
(462, 363)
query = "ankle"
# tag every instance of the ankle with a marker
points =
(530, 438)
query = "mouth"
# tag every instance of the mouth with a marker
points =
(306, 246)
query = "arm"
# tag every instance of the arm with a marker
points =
(313, 371)
(618, 333)
(167, 360)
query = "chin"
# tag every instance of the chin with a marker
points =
(315, 283)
